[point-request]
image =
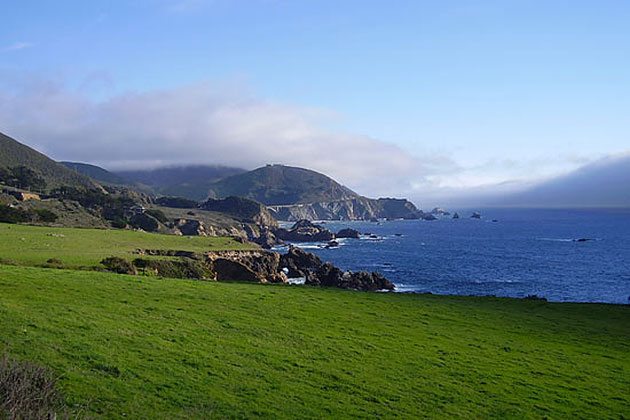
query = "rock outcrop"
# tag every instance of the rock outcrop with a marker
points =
(253, 266)
(299, 263)
(304, 231)
(188, 227)
(266, 238)
(229, 270)
(331, 276)
(249, 266)
(305, 264)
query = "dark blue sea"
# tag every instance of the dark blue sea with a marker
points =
(523, 252)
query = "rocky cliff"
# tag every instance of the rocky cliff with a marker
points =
(358, 208)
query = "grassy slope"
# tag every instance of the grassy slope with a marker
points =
(31, 245)
(14, 153)
(188, 181)
(96, 172)
(162, 348)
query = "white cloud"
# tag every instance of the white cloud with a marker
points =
(17, 46)
(203, 124)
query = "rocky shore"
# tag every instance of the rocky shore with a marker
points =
(259, 266)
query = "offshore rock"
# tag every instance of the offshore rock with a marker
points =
(304, 231)
(348, 233)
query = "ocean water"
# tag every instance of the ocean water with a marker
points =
(525, 252)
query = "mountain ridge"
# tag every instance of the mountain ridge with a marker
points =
(282, 185)
(292, 193)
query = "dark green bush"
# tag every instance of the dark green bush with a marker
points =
(110, 207)
(158, 214)
(119, 223)
(119, 265)
(184, 269)
(46, 215)
(13, 215)
(144, 222)
(54, 263)
(22, 177)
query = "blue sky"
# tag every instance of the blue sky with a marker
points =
(445, 94)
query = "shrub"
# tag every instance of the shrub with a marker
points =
(28, 390)
(119, 265)
(119, 223)
(111, 208)
(46, 215)
(13, 215)
(158, 214)
(144, 222)
(184, 269)
(54, 263)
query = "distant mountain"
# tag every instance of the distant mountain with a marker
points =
(282, 185)
(185, 181)
(96, 172)
(14, 154)
(604, 183)
(295, 193)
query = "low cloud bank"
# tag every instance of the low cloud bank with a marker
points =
(220, 124)
(601, 183)
(202, 124)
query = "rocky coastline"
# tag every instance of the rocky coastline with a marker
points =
(259, 266)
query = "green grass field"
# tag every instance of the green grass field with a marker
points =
(150, 348)
(34, 245)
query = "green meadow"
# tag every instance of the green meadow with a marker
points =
(156, 348)
(148, 348)
(34, 245)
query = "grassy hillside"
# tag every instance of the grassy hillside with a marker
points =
(281, 185)
(147, 348)
(34, 245)
(192, 181)
(96, 172)
(14, 153)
